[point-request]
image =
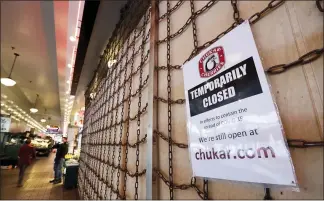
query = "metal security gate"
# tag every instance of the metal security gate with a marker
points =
(134, 144)
(112, 161)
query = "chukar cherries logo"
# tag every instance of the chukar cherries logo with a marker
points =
(211, 62)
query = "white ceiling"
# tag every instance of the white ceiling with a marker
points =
(38, 31)
(106, 19)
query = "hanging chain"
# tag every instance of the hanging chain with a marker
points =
(188, 22)
(102, 148)
(271, 6)
(304, 59)
(115, 129)
(253, 19)
(297, 143)
(178, 4)
(236, 13)
(111, 99)
(120, 143)
(128, 114)
(205, 189)
(176, 67)
(170, 141)
(194, 28)
(139, 104)
(122, 117)
(319, 6)
(110, 104)
(192, 184)
(105, 108)
(95, 162)
(178, 101)
(169, 105)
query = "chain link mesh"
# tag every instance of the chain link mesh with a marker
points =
(115, 96)
(108, 139)
(253, 19)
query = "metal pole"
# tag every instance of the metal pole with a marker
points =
(13, 64)
(152, 87)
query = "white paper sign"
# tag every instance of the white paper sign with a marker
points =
(234, 130)
(5, 124)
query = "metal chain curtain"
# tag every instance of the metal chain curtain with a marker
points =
(167, 176)
(105, 157)
(114, 127)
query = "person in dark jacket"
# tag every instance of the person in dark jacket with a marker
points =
(25, 154)
(62, 150)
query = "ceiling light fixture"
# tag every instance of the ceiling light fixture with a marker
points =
(34, 109)
(43, 120)
(72, 38)
(8, 81)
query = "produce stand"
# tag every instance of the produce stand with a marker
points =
(42, 146)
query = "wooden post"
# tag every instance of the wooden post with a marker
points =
(152, 154)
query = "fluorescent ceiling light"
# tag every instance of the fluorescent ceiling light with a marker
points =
(33, 110)
(8, 82)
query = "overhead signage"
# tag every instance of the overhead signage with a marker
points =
(5, 124)
(234, 129)
(53, 129)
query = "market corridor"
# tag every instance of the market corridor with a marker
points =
(36, 183)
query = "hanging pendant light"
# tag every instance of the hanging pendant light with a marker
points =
(34, 109)
(49, 121)
(7, 81)
(43, 120)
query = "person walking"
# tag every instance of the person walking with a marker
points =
(62, 150)
(25, 154)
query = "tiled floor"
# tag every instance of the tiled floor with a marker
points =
(36, 183)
